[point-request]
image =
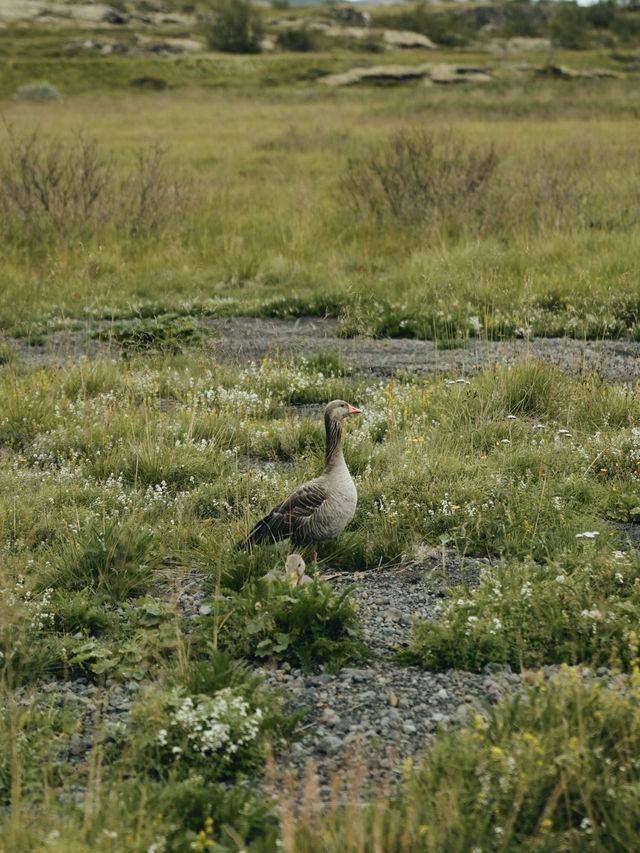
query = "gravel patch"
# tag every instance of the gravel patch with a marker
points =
(242, 338)
(248, 338)
(367, 719)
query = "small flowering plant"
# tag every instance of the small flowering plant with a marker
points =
(25, 616)
(580, 608)
(210, 732)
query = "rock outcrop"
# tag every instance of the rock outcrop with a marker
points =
(440, 73)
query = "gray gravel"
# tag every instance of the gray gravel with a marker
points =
(241, 338)
(368, 719)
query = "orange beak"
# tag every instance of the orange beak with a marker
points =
(354, 411)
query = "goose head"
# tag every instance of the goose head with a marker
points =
(294, 569)
(338, 410)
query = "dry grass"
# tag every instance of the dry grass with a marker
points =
(269, 221)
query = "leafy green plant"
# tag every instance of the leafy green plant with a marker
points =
(308, 625)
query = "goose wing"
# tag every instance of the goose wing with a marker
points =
(292, 516)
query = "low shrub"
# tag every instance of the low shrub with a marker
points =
(52, 189)
(309, 625)
(36, 92)
(233, 26)
(421, 177)
(298, 39)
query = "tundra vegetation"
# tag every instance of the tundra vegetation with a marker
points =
(247, 186)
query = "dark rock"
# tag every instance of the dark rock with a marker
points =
(113, 17)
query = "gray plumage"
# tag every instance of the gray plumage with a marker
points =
(317, 511)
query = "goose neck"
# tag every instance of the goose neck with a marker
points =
(333, 451)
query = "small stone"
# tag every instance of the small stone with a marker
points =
(368, 696)
(205, 609)
(329, 717)
(392, 614)
(76, 744)
(393, 700)
(329, 744)
(355, 674)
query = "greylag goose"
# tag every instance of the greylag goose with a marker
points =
(293, 572)
(317, 511)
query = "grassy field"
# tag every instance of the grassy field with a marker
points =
(264, 199)
(250, 187)
(119, 478)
